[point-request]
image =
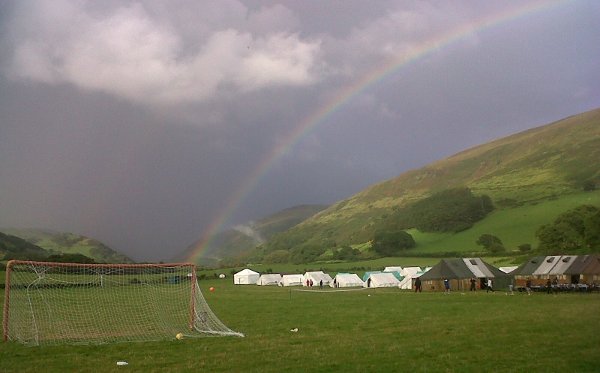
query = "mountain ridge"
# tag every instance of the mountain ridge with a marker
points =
(529, 167)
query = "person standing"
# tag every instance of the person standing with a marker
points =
(490, 286)
(528, 286)
(418, 288)
(548, 286)
(473, 282)
(446, 286)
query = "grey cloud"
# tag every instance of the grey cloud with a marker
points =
(137, 123)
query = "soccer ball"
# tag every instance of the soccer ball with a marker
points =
(179, 336)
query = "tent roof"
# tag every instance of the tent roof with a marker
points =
(547, 264)
(383, 278)
(458, 269)
(530, 266)
(508, 269)
(292, 276)
(393, 268)
(585, 265)
(246, 272)
(410, 271)
(271, 276)
(562, 265)
(368, 273)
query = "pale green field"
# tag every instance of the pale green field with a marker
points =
(513, 226)
(365, 330)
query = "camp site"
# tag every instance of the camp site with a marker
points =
(280, 323)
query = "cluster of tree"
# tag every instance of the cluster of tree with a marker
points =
(576, 230)
(491, 243)
(346, 253)
(392, 243)
(70, 258)
(451, 210)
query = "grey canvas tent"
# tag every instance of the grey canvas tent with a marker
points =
(566, 269)
(585, 270)
(460, 271)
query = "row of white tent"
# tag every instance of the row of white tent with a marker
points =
(390, 277)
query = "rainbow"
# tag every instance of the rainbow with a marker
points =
(346, 94)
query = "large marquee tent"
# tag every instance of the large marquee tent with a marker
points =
(460, 271)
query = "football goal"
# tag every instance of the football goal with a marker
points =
(69, 303)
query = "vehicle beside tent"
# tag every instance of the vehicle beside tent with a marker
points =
(346, 280)
(292, 280)
(317, 277)
(460, 271)
(245, 277)
(381, 280)
(269, 279)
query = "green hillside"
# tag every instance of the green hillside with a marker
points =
(69, 243)
(245, 237)
(531, 177)
(13, 247)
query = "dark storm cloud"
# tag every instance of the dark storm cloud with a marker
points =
(135, 123)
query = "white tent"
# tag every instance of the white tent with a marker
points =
(382, 280)
(317, 277)
(292, 280)
(393, 269)
(409, 273)
(508, 269)
(245, 277)
(269, 279)
(346, 280)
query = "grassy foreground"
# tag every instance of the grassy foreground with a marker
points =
(363, 330)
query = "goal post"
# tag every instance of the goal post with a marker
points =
(70, 303)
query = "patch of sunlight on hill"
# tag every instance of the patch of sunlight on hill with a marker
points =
(514, 226)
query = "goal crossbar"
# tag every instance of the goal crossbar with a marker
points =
(67, 303)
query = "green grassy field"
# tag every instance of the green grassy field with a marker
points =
(364, 330)
(513, 226)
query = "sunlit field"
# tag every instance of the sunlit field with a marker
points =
(362, 330)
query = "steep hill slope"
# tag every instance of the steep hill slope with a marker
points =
(527, 168)
(245, 237)
(69, 243)
(17, 248)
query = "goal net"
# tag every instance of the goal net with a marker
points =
(68, 303)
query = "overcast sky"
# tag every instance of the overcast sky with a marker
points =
(136, 123)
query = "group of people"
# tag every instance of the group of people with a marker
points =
(551, 286)
(310, 283)
(473, 281)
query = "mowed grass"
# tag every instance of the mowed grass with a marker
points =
(364, 330)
